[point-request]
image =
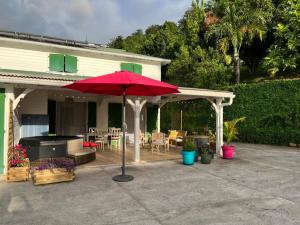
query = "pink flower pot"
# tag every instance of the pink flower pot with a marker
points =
(228, 151)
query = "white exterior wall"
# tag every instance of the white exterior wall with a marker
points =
(102, 111)
(35, 103)
(23, 59)
(89, 64)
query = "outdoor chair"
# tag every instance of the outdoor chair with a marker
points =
(159, 139)
(142, 139)
(180, 136)
(172, 136)
(100, 139)
(114, 135)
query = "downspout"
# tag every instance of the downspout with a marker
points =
(221, 122)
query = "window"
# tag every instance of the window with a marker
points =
(62, 63)
(132, 67)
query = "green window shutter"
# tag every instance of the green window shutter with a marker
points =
(70, 64)
(152, 112)
(127, 66)
(2, 113)
(137, 68)
(115, 115)
(92, 114)
(56, 62)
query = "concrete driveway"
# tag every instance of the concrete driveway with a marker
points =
(260, 186)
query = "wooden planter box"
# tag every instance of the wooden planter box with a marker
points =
(49, 176)
(17, 174)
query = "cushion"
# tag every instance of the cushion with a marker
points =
(74, 145)
(173, 134)
(92, 144)
(86, 144)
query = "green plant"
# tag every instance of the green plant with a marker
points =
(272, 109)
(188, 144)
(212, 136)
(230, 129)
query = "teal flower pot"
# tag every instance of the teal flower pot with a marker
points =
(188, 157)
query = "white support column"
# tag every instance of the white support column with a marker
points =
(137, 106)
(9, 95)
(158, 119)
(221, 128)
(219, 138)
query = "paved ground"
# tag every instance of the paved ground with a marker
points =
(261, 186)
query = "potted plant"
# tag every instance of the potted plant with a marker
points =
(18, 169)
(188, 151)
(230, 133)
(206, 155)
(53, 170)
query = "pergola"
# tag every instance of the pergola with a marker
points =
(218, 99)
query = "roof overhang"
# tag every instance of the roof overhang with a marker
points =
(56, 81)
(195, 93)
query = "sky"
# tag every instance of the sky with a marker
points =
(98, 20)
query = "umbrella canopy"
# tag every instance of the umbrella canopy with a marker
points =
(123, 83)
(115, 83)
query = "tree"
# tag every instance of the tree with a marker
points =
(133, 43)
(196, 64)
(284, 54)
(240, 22)
(200, 68)
(163, 41)
(117, 42)
(192, 24)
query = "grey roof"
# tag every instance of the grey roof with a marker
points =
(76, 44)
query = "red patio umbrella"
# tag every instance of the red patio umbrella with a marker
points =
(123, 83)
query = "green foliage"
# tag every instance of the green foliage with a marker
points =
(240, 22)
(196, 114)
(188, 144)
(230, 129)
(163, 41)
(241, 36)
(201, 68)
(284, 53)
(133, 43)
(272, 109)
(192, 24)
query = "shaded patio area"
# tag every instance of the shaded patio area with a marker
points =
(113, 157)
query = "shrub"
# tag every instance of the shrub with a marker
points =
(272, 109)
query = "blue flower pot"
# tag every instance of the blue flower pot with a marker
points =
(188, 157)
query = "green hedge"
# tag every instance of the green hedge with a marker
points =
(196, 115)
(272, 109)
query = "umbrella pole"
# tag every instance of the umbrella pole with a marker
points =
(123, 177)
(123, 137)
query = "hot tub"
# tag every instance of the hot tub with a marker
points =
(46, 146)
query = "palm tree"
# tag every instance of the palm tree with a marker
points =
(240, 21)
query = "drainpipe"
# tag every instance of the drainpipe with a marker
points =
(222, 121)
(218, 106)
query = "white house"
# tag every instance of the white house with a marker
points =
(33, 69)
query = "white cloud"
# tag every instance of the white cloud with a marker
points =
(101, 20)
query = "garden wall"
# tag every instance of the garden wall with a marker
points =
(272, 111)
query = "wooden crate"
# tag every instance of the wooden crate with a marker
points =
(17, 174)
(49, 176)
